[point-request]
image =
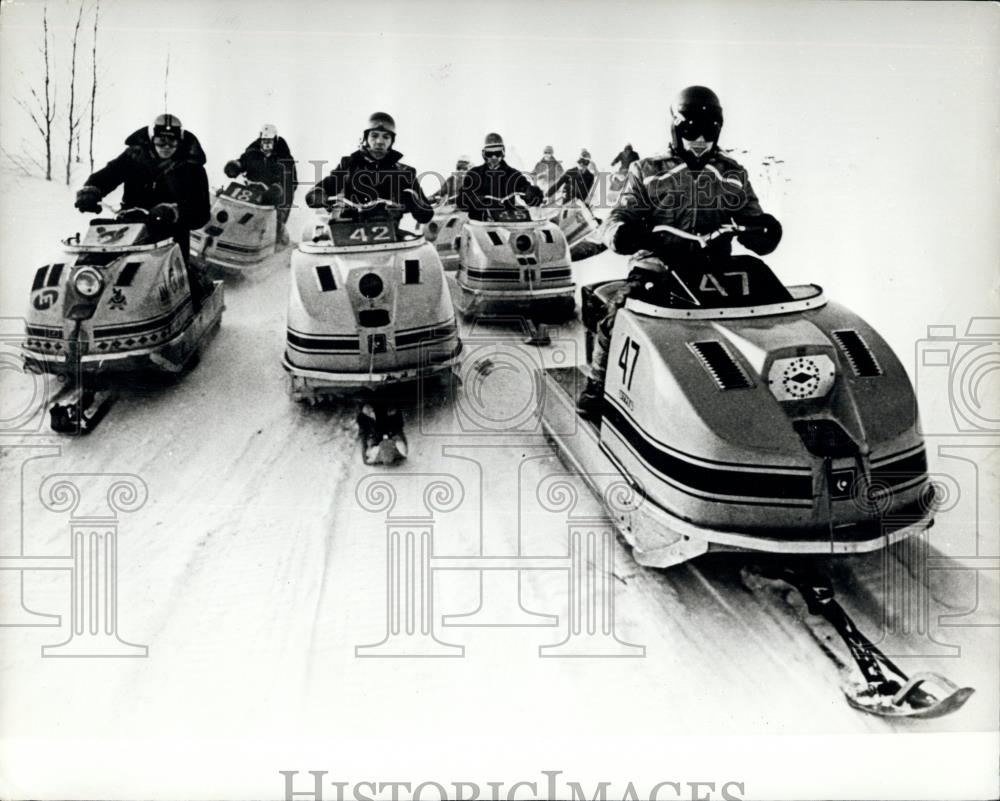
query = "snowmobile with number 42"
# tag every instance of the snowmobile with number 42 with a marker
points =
(368, 310)
(114, 304)
(743, 415)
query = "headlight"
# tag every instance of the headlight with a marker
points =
(801, 377)
(523, 243)
(88, 282)
(370, 285)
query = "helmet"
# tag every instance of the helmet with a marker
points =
(166, 124)
(268, 131)
(549, 151)
(380, 121)
(585, 154)
(463, 159)
(696, 112)
(494, 141)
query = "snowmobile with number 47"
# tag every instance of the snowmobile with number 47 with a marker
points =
(114, 304)
(744, 415)
(368, 310)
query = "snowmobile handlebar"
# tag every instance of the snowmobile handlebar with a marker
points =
(367, 206)
(513, 196)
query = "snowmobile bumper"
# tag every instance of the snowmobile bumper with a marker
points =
(468, 299)
(662, 539)
(306, 384)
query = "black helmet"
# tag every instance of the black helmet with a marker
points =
(380, 121)
(167, 124)
(696, 112)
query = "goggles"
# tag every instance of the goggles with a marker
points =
(165, 139)
(709, 127)
(492, 154)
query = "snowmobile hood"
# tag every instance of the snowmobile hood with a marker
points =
(189, 149)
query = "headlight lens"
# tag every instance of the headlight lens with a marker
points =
(88, 282)
(523, 242)
(370, 285)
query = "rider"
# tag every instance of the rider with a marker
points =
(163, 171)
(696, 197)
(268, 160)
(374, 172)
(548, 170)
(577, 180)
(490, 185)
(449, 189)
(625, 158)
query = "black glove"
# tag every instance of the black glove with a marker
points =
(533, 196)
(762, 235)
(88, 199)
(273, 195)
(421, 212)
(232, 169)
(164, 214)
(316, 198)
(630, 237)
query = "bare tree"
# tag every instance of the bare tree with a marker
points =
(93, 82)
(43, 109)
(73, 121)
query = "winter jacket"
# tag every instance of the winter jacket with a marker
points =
(667, 190)
(362, 179)
(577, 182)
(481, 183)
(276, 168)
(180, 179)
(449, 189)
(548, 172)
(625, 158)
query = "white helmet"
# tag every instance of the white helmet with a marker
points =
(268, 131)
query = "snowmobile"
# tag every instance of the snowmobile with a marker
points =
(575, 220)
(744, 415)
(445, 232)
(114, 303)
(512, 260)
(242, 231)
(368, 310)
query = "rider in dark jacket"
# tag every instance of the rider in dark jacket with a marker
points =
(162, 169)
(268, 160)
(486, 186)
(625, 158)
(577, 180)
(683, 207)
(374, 171)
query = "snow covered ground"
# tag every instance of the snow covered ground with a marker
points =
(253, 571)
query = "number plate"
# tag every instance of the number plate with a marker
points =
(353, 234)
(248, 194)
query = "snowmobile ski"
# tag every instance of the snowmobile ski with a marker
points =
(80, 411)
(886, 690)
(383, 440)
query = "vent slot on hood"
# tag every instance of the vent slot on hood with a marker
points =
(494, 238)
(860, 356)
(719, 364)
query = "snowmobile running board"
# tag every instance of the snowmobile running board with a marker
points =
(886, 690)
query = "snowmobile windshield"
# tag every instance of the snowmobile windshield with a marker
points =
(507, 215)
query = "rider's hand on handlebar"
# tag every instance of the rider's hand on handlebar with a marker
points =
(760, 233)
(164, 214)
(232, 169)
(88, 199)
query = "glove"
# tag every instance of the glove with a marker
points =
(763, 234)
(274, 195)
(533, 196)
(630, 237)
(232, 169)
(88, 199)
(421, 213)
(316, 198)
(164, 214)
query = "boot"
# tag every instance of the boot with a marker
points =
(590, 404)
